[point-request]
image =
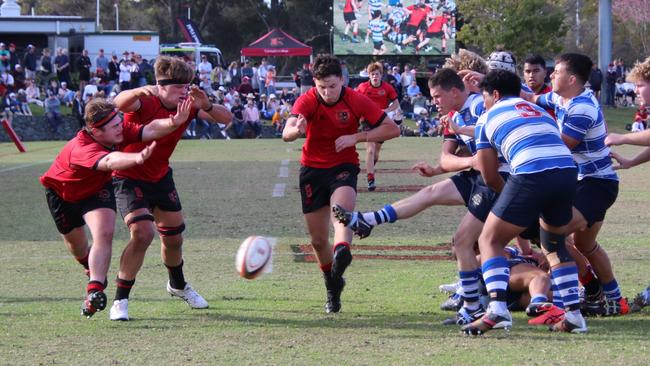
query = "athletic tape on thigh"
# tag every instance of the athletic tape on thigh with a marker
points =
(171, 230)
(554, 248)
(148, 217)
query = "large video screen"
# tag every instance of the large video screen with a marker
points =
(394, 27)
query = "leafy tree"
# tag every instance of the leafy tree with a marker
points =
(634, 16)
(522, 27)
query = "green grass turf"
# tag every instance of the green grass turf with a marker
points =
(390, 308)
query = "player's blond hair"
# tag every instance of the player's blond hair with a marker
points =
(641, 71)
(375, 66)
(466, 60)
(168, 67)
(97, 109)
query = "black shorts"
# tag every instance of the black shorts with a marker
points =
(548, 194)
(69, 215)
(378, 45)
(317, 185)
(478, 197)
(435, 34)
(594, 196)
(411, 30)
(349, 17)
(132, 194)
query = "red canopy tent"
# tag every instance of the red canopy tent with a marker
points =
(276, 43)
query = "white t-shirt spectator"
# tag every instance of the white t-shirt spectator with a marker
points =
(125, 73)
(205, 67)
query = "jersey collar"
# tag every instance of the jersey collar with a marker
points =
(321, 101)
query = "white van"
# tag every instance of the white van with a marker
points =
(194, 51)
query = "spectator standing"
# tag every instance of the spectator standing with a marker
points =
(261, 76)
(29, 62)
(346, 73)
(83, 65)
(8, 80)
(5, 58)
(78, 108)
(113, 71)
(306, 79)
(46, 70)
(596, 80)
(101, 61)
(62, 65)
(247, 70)
(52, 113)
(610, 85)
(13, 56)
(19, 77)
(125, 74)
(270, 80)
(406, 78)
(205, 67)
(217, 77)
(234, 74)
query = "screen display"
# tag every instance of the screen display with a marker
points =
(394, 27)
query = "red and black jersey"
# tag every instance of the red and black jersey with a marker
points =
(544, 90)
(418, 14)
(348, 6)
(437, 24)
(382, 95)
(73, 175)
(157, 165)
(326, 123)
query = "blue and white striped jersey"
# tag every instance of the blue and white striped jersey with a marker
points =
(377, 27)
(375, 5)
(524, 135)
(468, 114)
(398, 15)
(581, 118)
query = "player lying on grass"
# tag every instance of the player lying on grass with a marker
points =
(79, 191)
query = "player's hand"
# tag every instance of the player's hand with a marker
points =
(614, 139)
(344, 142)
(541, 260)
(471, 79)
(301, 123)
(424, 169)
(450, 124)
(182, 112)
(201, 100)
(623, 163)
(147, 90)
(145, 153)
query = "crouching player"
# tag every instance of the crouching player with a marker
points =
(329, 114)
(541, 187)
(79, 191)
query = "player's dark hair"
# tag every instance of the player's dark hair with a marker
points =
(508, 84)
(172, 68)
(326, 65)
(97, 110)
(446, 79)
(536, 60)
(576, 64)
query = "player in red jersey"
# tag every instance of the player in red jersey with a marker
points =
(147, 195)
(79, 191)
(329, 114)
(436, 28)
(349, 10)
(416, 23)
(534, 76)
(385, 97)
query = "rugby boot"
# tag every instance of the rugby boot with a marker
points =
(371, 182)
(94, 302)
(334, 286)
(449, 288)
(453, 303)
(573, 322)
(616, 307)
(548, 315)
(464, 316)
(191, 297)
(341, 260)
(594, 304)
(353, 220)
(120, 310)
(490, 320)
(640, 301)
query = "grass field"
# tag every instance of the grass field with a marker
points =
(390, 308)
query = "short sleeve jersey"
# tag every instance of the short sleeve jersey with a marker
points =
(469, 113)
(326, 123)
(418, 14)
(524, 135)
(436, 25)
(73, 175)
(157, 165)
(382, 95)
(581, 118)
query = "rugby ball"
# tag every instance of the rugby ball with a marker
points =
(253, 256)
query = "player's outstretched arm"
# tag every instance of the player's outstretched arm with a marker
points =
(637, 138)
(450, 161)
(129, 100)
(624, 163)
(426, 170)
(161, 127)
(295, 127)
(120, 160)
(207, 111)
(386, 130)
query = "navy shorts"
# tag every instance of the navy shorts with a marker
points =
(349, 17)
(70, 215)
(132, 194)
(377, 45)
(478, 197)
(594, 196)
(318, 184)
(548, 194)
